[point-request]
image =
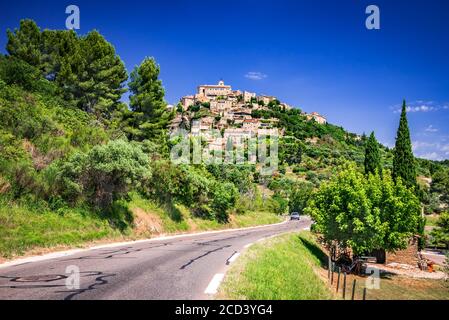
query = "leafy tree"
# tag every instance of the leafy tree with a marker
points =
(300, 196)
(241, 176)
(290, 151)
(440, 234)
(440, 184)
(150, 117)
(224, 197)
(364, 214)
(372, 156)
(404, 160)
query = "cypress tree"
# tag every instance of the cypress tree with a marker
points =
(372, 156)
(404, 160)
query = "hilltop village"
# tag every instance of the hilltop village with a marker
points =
(230, 111)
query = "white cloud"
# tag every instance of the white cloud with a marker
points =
(431, 156)
(421, 106)
(445, 149)
(419, 145)
(253, 75)
(430, 150)
(431, 128)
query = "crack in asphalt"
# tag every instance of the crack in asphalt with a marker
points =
(99, 281)
(116, 253)
(227, 260)
(205, 243)
(202, 256)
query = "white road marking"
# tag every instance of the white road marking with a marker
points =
(233, 257)
(212, 288)
(248, 245)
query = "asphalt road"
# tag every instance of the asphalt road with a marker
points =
(187, 267)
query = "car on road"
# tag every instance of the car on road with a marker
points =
(295, 216)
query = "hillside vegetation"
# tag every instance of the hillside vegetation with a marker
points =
(77, 164)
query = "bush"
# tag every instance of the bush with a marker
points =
(103, 175)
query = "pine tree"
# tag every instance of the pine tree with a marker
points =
(25, 43)
(404, 160)
(372, 156)
(86, 69)
(93, 75)
(150, 116)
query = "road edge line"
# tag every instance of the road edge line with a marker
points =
(61, 254)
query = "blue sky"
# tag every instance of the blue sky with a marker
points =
(316, 55)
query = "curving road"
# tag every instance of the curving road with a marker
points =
(185, 267)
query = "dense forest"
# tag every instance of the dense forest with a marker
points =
(78, 164)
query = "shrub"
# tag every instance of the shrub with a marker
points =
(103, 175)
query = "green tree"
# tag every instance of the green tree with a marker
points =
(86, 69)
(17, 72)
(94, 76)
(300, 196)
(364, 214)
(25, 43)
(224, 197)
(404, 160)
(440, 184)
(440, 234)
(150, 116)
(372, 156)
(290, 151)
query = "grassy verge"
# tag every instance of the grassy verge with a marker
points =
(282, 268)
(292, 267)
(23, 228)
(393, 287)
(33, 229)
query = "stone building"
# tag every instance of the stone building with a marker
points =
(317, 117)
(214, 91)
